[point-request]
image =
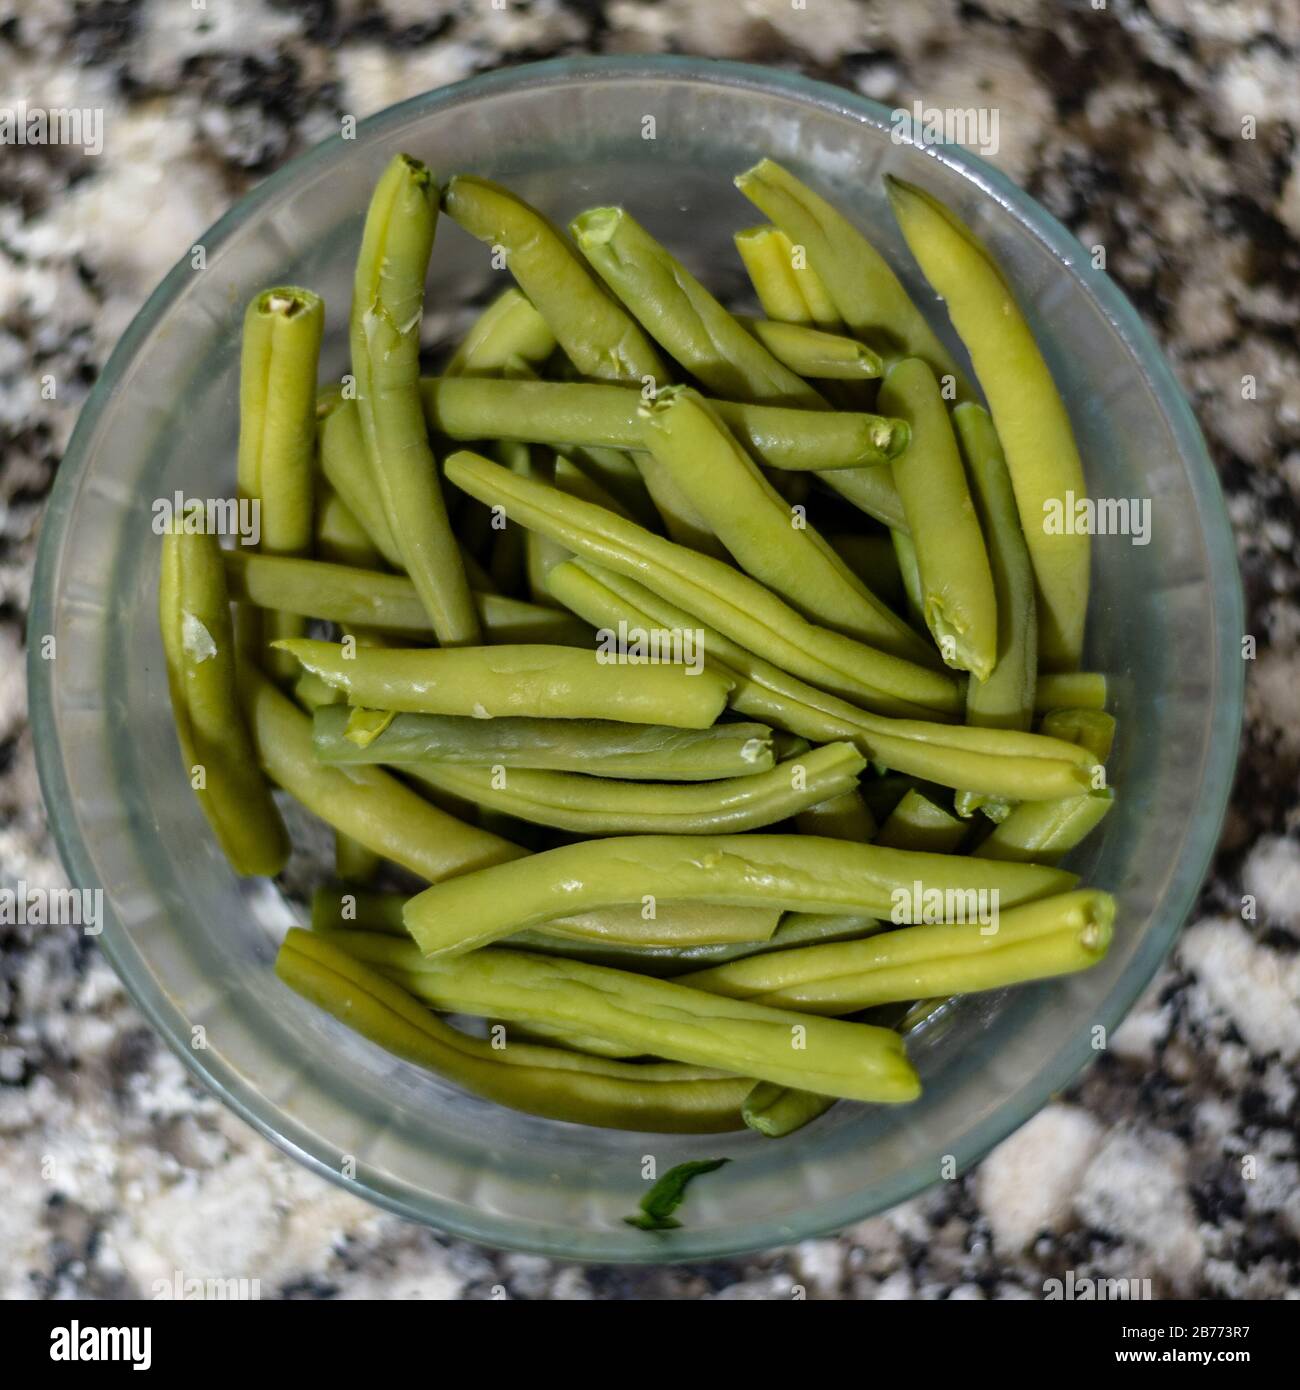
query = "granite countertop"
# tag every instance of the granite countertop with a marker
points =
(1126, 121)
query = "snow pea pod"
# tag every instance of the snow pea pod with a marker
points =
(1026, 406)
(958, 602)
(387, 303)
(657, 1017)
(1054, 936)
(388, 602)
(588, 805)
(867, 294)
(756, 525)
(999, 762)
(199, 650)
(537, 681)
(597, 747)
(719, 594)
(794, 872)
(595, 331)
(548, 1081)
(563, 413)
(365, 803)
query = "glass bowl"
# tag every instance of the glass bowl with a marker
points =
(194, 946)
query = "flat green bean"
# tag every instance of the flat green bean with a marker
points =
(655, 1017)
(365, 803)
(387, 602)
(999, 762)
(387, 303)
(597, 747)
(594, 330)
(1054, 936)
(730, 601)
(793, 872)
(548, 1081)
(757, 527)
(958, 602)
(536, 681)
(681, 315)
(866, 293)
(564, 413)
(1026, 406)
(596, 806)
(917, 823)
(199, 651)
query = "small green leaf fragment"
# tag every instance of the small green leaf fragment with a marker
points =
(658, 1205)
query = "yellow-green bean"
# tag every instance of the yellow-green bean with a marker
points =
(1040, 832)
(918, 823)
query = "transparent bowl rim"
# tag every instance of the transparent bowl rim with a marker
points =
(1194, 856)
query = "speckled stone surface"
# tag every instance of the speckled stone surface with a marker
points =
(1126, 121)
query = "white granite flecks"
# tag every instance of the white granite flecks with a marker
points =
(1175, 1156)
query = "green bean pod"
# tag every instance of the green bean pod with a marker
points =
(199, 651)
(793, 872)
(595, 416)
(757, 526)
(594, 330)
(535, 681)
(1005, 699)
(1026, 406)
(599, 748)
(873, 560)
(1092, 729)
(789, 289)
(384, 602)
(728, 600)
(1040, 832)
(654, 1017)
(387, 303)
(780, 1110)
(996, 762)
(1070, 690)
(279, 354)
(617, 937)
(507, 332)
(1055, 936)
(811, 352)
(341, 539)
(595, 806)
(842, 817)
(365, 803)
(866, 293)
(681, 315)
(548, 1081)
(917, 823)
(958, 601)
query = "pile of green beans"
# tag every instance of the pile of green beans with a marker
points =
(678, 683)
